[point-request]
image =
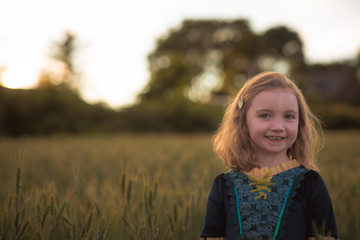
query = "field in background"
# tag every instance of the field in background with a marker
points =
(136, 186)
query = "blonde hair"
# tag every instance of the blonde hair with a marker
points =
(232, 142)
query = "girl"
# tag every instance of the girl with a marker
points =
(269, 139)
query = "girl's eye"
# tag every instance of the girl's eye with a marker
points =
(289, 116)
(265, 115)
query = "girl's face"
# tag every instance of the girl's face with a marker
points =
(272, 120)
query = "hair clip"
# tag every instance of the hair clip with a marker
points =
(241, 102)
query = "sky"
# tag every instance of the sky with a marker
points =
(115, 36)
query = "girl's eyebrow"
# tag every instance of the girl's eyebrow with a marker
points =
(264, 110)
(269, 110)
(292, 111)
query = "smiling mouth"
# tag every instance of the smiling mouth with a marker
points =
(275, 138)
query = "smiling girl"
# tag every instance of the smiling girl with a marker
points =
(269, 139)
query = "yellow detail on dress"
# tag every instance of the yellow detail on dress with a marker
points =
(261, 177)
(261, 185)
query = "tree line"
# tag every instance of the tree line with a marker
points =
(194, 70)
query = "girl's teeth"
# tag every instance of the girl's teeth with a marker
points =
(275, 138)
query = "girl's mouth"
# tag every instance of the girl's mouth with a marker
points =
(275, 138)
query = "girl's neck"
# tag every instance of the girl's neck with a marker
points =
(270, 161)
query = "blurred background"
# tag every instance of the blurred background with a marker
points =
(80, 80)
(144, 66)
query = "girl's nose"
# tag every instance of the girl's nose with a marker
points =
(277, 125)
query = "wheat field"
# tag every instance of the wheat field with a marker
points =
(137, 186)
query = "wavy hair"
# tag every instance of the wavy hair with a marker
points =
(232, 141)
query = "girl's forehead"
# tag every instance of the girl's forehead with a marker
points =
(275, 97)
(276, 91)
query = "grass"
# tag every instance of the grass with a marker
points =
(136, 186)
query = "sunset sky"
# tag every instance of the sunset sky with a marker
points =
(115, 36)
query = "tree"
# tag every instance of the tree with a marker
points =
(208, 58)
(63, 70)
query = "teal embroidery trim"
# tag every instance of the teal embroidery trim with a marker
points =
(282, 210)
(238, 209)
(280, 215)
(260, 218)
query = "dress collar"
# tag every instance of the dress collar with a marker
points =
(260, 173)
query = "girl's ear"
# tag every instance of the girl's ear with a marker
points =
(246, 129)
(245, 122)
(245, 126)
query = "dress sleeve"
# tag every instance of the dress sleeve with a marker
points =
(321, 217)
(215, 218)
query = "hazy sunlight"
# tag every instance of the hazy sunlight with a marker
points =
(20, 76)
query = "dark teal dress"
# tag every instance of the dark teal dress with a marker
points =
(294, 205)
